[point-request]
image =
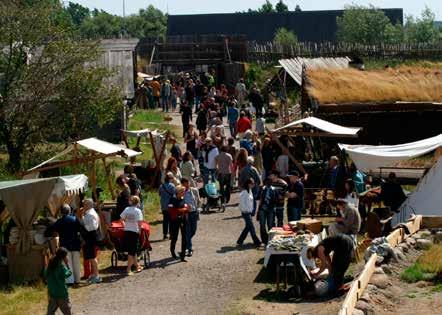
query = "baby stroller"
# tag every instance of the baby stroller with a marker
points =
(213, 198)
(116, 236)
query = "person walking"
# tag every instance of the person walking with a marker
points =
(90, 221)
(295, 201)
(281, 187)
(166, 92)
(232, 117)
(191, 198)
(201, 120)
(56, 274)
(186, 116)
(166, 191)
(243, 124)
(249, 171)
(240, 91)
(68, 229)
(246, 208)
(210, 153)
(178, 210)
(190, 139)
(266, 213)
(132, 218)
(122, 198)
(224, 163)
(188, 168)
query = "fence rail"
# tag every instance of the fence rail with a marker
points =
(270, 52)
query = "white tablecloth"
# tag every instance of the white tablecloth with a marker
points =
(303, 254)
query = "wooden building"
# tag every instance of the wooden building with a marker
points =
(391, 105)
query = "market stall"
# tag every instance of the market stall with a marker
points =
(157, 140)
(314, 135)
(288, 246)
(85, 152)
(24, 200)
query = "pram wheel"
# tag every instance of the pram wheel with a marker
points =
(114, 259)
(146, 258)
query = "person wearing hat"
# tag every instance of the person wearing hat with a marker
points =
(295, 200)
(350, 221)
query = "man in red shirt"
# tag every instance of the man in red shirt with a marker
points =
(243, 125)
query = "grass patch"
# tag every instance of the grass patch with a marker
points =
(23, 299)
(428, 267)
(416, 273)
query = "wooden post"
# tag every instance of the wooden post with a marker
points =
(108, 178)
(286, 151)
(75, 157)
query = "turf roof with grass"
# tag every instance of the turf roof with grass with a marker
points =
(422, 83)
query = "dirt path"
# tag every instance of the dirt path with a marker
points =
(218, 279)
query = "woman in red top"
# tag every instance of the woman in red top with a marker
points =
(243, 124)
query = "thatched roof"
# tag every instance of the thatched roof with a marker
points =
(403, 84)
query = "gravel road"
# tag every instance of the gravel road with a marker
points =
(217, 279)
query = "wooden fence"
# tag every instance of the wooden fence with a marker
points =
(359, 285)
(271, 53)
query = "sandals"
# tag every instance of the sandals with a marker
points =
(139, 269)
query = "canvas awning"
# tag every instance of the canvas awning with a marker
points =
(370, 158)
(141, 133)
(24, 198)
(426, 199)
(107, 148)
(325, 126)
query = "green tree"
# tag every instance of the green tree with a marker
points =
(394, 34)
(421, 29)
(285, 38)
(78, 13)
(101, 25)
(148, 22)
(281, 7)
(47, 91)
(363, 25)
(267, 7)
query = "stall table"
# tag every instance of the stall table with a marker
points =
(290, 258)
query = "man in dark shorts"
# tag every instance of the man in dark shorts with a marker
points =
(342, 247)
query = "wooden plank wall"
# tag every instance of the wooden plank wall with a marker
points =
(359, 285)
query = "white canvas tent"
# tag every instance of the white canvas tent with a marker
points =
(91, 144)
(24, 198)
(426, 199)
(369, 158)
(325, 126)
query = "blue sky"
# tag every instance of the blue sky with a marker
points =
(413, 7)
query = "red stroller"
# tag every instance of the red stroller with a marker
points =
(116, 235)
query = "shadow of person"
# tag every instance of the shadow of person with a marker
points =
(226, 249)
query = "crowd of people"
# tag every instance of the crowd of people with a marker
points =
(245, 158)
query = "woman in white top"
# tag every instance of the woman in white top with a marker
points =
(132, 218)
(246, 207)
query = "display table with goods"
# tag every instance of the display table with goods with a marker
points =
(288, 246)
(32, 205)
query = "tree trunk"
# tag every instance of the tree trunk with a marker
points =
(15, 155)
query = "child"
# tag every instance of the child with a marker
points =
(56, 274)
